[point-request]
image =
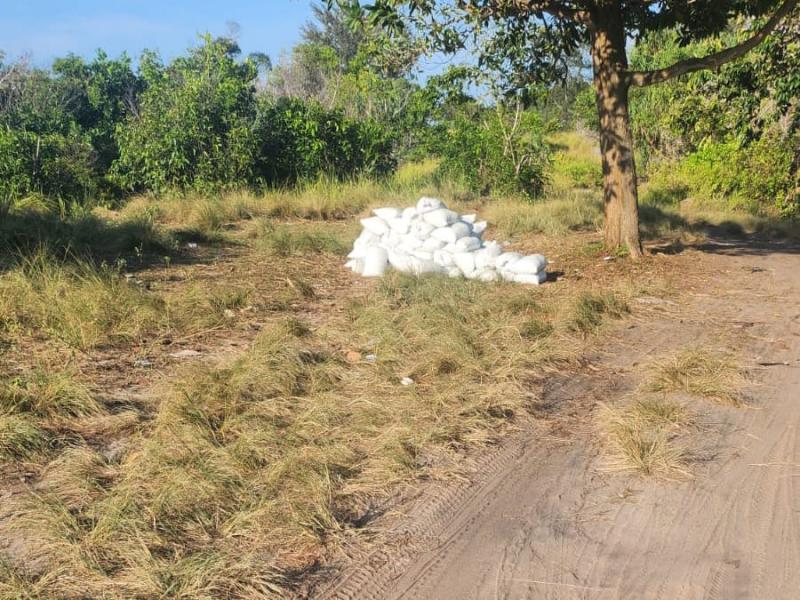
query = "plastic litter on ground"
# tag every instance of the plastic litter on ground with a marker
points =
(430, 238)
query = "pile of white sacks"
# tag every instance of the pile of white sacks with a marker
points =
(430, 238)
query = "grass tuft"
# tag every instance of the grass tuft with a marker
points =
(700, 372)
(642, 437)
(20, 437)
(590, 309)
(47, 394)
(78, 302)
(285, 240)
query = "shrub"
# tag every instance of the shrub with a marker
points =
(193, 129)
(494, 152)
(301, 141)
(53, 164)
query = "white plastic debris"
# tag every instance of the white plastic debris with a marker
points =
(430, 238)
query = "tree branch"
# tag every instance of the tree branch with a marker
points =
(551, 7)
(712, 61)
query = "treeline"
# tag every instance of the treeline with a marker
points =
(348, 102)
(99, 129)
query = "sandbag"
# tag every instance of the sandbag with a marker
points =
(461, 229)
(444, 234)
(356, 265)
(468, 244)
(432, 243)
(421, 266)
(506, 258)
(527, 278)
(387, 214)
(400, 225)
(426, 204)
(465, 261)
(375, 262)
(375, 225)
(430, 238)
(528, 265)
(440, 217)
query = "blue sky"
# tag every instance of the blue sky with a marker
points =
(49, 28)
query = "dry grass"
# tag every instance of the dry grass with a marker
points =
(642, 437)
(288, 240)
(20, 438)
(559, 213)
(576, 161)
(209, 219)
(700, 372)
(590, 309)
(240, 471)
(77, 302)
(249, 471)
(47, 393)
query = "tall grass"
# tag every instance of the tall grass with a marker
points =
(80, 303)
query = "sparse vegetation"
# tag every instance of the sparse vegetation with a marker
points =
(249, 470)
(700, 372)
(643, 437)
(590, 309)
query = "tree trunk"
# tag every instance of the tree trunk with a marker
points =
(620, 196)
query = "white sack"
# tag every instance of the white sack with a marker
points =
(421, 267)
(465, 261)
(441, 217)
(421, 229)
(387, 214)
(423, 254)
(461, 229)
(432, 243)
(400, 225)
(356, 265)
(400, 261)
(528, 265)
(375, 262)
(426, 204)
(430, 238)
(507, 258)
(468, 244)
(444, 234)
(535, 279)
(375, 225)
(409, 213)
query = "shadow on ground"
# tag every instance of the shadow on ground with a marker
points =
(139, 242)
(726, 237)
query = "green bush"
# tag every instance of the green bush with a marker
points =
(494, 152)
(732, 135)
(193, 129)
(302, 141)
(52, 164)
(56, 128)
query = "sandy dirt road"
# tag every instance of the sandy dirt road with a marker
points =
(544, 520)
